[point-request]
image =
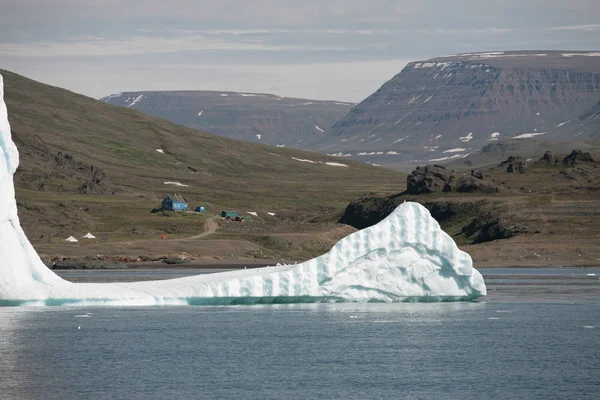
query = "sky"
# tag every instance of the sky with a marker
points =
(318, 49)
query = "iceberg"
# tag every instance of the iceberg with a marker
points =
(405, 257)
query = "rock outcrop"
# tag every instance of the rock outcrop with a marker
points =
(549, 158)
(514, 165)
(430, 179)
(576, 157)
(437, 179)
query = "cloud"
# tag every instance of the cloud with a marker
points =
(260, 45)
(592, 27)
(96, 46)
(342, 81)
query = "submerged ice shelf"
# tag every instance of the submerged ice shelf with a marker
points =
(406, 257)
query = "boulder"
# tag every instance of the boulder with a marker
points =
(549, 158)
(430, 179)
(514, 164)
(576, 157)
(472, 184)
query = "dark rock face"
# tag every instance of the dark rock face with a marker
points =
(486, 228)
(436, 179)
(367, 211)
(430, 179)
(459, 103)
(549, 158)
(53, 167)
(576, 157)
(514, 164)
(253, 117)
(477, 225)
(470, 184)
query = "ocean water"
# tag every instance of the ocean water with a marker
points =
(536, 336)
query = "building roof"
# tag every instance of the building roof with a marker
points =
(176, 198)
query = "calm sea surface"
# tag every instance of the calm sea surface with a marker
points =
(536, 336)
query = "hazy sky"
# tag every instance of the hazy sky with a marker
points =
(321, 49)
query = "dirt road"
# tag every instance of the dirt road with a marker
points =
(211, 225)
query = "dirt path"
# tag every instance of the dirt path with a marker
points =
(212, 227)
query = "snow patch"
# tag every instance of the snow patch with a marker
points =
(401, 139)
(335, 164)
(304, 160)
(136, 100)
(160, 151)
(200, 113)
(466, 138)
(528, 135)
(457, 150)
(112, 96)
(446, 158)
(252, 213)
(563, 123)
(319, 129)
(175, 183)
(586, 54)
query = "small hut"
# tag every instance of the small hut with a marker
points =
(174, 202)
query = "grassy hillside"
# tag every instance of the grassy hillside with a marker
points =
(91, 166)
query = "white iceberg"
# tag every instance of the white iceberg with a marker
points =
(406, 257)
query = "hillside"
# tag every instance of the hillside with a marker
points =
(253, 117)
(541, 211)
(91, 166)
(448, 107)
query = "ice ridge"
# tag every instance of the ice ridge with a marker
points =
(405, 257)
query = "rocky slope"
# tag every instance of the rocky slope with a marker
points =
(252, 117)
(445, 108)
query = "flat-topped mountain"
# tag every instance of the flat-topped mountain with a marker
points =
(448, 107)
(252, 117)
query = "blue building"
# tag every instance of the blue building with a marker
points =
(174, 202)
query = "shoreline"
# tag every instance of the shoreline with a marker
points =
(259, 263)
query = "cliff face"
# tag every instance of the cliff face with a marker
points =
(446, 108)
(261, 118)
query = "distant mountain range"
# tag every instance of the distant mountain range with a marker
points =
(437, 110)
(252, 117)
